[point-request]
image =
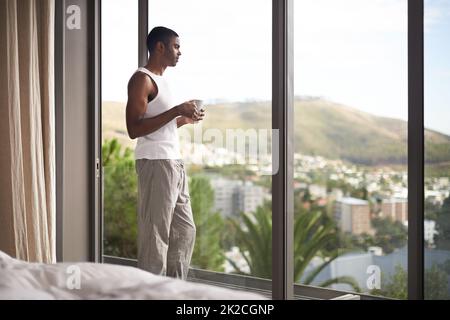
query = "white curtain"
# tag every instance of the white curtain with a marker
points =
(27, 139)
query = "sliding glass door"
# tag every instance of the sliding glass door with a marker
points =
(350, 162)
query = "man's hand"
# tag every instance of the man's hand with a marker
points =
(189, 113)
(181, 121)
(187, 109)
(199, 116)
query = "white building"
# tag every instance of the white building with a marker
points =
(234, 196)
(353, 215)
(394, 208)
(249, 197)
(224, 189)
(429, 230)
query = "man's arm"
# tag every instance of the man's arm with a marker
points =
(181, 122)
(140, 88)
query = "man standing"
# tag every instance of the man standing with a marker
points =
(166, 230)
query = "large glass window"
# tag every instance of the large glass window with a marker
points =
(350, 165)
(437, 149)
(226, 62)
(119, 61)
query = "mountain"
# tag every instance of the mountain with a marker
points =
(321, 128)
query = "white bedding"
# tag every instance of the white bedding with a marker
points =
(22, 280)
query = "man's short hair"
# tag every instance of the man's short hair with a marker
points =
(157, 34)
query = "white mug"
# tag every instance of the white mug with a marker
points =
(199, 104)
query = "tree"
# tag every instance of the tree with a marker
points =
(396, 286)
(312, 232)
(306, 195)
(208, 252)
(443, 226)
(120, 200)
(120, 210)
(310, 238)
(436, 282)
(389, 234)
(431, 210)
(360, 193)
(255, 241)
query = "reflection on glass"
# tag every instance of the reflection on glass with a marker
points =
(350, 165)
(437, 150)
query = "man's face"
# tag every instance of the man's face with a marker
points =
(172, 51)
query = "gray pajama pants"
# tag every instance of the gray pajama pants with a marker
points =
(166, 229)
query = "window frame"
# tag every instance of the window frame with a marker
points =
(416, 149)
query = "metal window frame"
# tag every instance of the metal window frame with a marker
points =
(416, 149)
(142, 32)
(95, 148)
(283, 120)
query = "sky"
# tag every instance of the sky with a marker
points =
(348, 51)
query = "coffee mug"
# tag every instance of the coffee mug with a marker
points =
(199, 104)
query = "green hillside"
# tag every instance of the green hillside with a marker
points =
(320, 127)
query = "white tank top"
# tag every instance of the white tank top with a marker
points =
(163, 143)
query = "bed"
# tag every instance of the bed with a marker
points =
(85, 280)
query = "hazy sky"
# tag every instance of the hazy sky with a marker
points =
(349, 51)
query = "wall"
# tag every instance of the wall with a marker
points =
(73, 113)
